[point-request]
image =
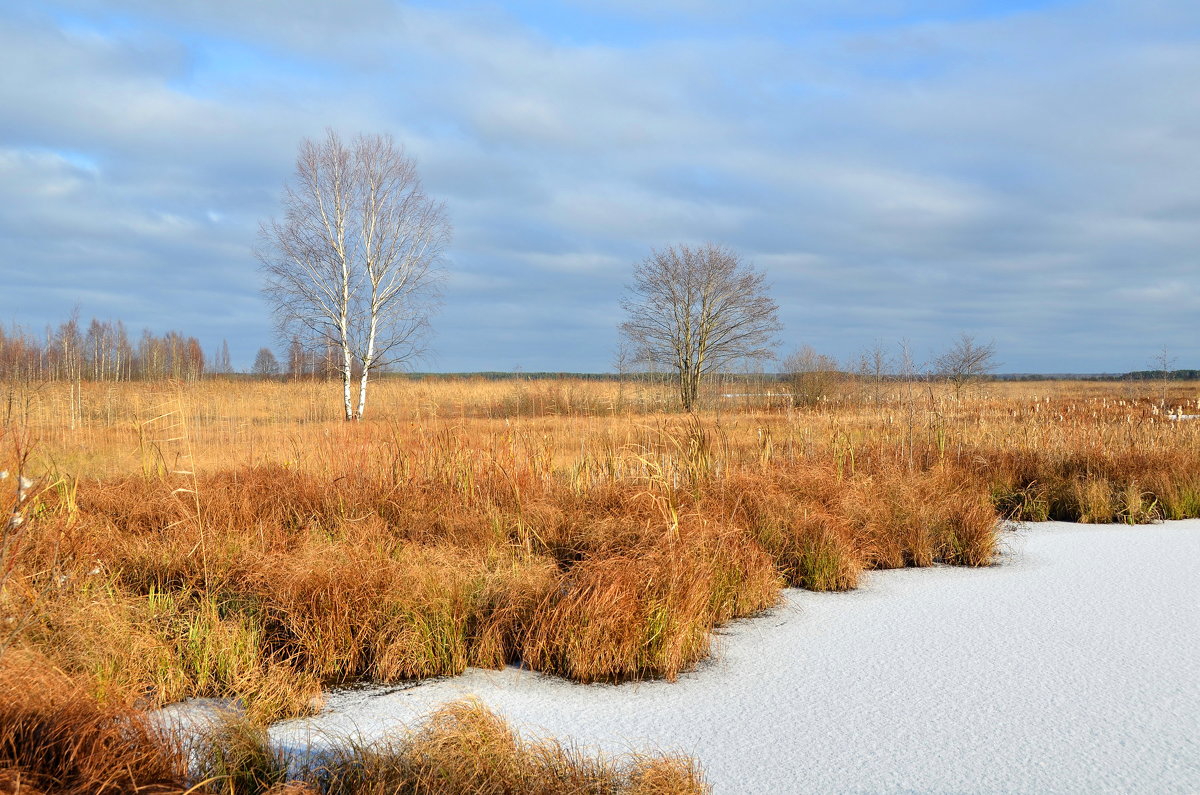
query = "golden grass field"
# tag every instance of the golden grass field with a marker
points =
(237, 539)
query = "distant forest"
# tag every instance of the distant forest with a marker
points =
(101, 351)
(104, 351)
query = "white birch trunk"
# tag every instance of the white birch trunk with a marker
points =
(368, 360)
(346, 374)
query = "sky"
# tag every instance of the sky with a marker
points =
(1027, 172)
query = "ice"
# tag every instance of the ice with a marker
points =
(1069, 666)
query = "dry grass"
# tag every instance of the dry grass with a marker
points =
(55, 738)
(309, 581)
(240, 541)
(465, 748)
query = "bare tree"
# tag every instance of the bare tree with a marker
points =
(1164, 362)
(874, 368)
(354, 262)
(694, 311)
(966, 362)
(224, 363)
(265, 364)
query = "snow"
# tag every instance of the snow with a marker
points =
(1070, 666)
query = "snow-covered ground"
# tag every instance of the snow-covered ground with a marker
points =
(1073, 665)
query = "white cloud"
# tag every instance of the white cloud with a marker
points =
(992, 172)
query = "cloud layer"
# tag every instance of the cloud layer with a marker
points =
(1026, 172)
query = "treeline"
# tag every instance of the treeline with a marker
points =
(520, 375)
(103, 351)
(302, 362)
(1135, 375)
(1163, 375)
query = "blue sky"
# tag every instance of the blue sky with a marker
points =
(1027, 172)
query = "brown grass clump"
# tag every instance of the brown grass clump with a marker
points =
(464, 747)
(812, 546)
(625, 617)
(345, 611)
(641, 591)
(814, 551)
(235, 757)
(920, 520)
(54, 738)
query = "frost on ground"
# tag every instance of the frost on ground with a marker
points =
(1071, 666)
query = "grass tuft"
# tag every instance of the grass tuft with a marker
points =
(55, 738)
(463, 747)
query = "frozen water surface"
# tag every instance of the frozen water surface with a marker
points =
(1070, 666)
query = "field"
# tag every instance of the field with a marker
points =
(237, 539)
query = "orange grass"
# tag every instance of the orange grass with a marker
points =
(235, 539)
(55, 738)
(460, 748)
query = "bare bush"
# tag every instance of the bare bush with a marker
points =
(812, 377)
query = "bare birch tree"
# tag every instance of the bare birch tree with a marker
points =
(694, 311)
(354, 264)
